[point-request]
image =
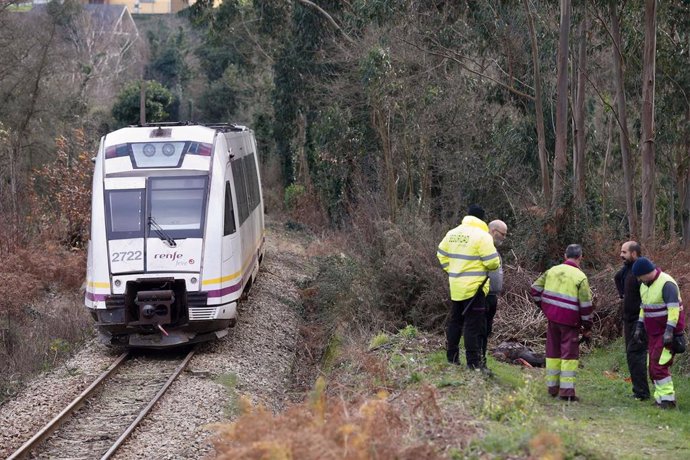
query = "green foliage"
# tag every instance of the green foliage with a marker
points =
(338, 292)
(402, 260)
(379, 339)
(333, 350)
(158, 102)
(57, 348)
(339, 142)
(415, 377)
(408, 332)
(293, 194)
(514, 407)
(229, 382)
(169, 50)
(376, 68)
(379, 12)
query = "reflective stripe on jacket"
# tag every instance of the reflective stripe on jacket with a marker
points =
(657, 312)
(564, 295)
(467, 253)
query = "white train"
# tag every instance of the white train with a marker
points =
(177, 232)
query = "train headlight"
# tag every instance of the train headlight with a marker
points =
(118, 283)
(150, 150)
(168, 150)
(193, 280)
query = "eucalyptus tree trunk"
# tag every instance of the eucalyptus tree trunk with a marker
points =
(381, 119)
(302, 173)
(628, 164)
(539, 110)
(672, 205)
(648, 150)
(561, 160)
(579, 116)
(685, 188)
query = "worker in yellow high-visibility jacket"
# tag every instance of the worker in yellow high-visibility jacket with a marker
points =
(562, 292)
(467, 253)
(662, 316)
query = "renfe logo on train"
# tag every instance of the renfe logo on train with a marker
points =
(172, 256)
(177, 232)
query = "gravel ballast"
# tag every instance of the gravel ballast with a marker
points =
(254, 360)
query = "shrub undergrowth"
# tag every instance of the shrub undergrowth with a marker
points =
(321, 428)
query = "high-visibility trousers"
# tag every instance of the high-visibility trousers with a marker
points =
(660, 373)
(562, 355)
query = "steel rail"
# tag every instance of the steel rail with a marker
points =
(51, 426)
(148, 407)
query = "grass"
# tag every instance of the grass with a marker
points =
(229, 382)
(405, 398)
(517, 418)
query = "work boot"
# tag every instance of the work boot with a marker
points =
(570, 398)
(639, 397)
(486, 371)
(453, 356)
(666, 405)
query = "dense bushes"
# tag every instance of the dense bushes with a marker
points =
(41, 311)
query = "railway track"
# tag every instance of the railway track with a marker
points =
(99, 420)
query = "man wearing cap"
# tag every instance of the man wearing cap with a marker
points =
(467, 253)
(563, 294)
(635, 350)
(662, 317)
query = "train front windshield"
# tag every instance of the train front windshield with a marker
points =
(177, 205)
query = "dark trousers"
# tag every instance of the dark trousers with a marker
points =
(636, 355)
(491, 304)
(473, 325)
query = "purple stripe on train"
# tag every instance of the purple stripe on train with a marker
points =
(225, 290)
(235, 287)
(95, 297)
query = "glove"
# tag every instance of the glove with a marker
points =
(586, 337)
(668, 336)
(639, 330)
(679, 344)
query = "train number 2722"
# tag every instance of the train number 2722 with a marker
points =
(126, 256)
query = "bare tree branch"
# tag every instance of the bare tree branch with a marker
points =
(452, 55)
(328, 17)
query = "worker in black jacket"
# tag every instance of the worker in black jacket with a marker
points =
(629, 290)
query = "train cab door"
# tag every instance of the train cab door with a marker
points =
(124, 209)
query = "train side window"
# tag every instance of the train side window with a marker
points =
(240, 190)
(229, 221)
(253, 181)
(248, 181)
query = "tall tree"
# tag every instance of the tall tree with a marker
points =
(579, 115)
(561, 160)
(648, 130)
(618, 82)
(539, 109)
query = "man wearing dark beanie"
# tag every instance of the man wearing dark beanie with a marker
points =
(663, 318)
(635, 350)
(467, 254)
(476, 211)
